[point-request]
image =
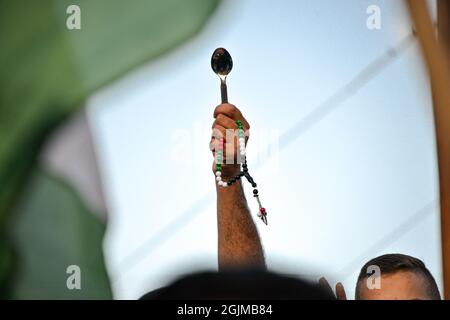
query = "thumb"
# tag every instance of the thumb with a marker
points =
(340, 292)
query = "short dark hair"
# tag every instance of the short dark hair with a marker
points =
(392, 263)
(239, 284)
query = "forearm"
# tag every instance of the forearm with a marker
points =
(239, 242)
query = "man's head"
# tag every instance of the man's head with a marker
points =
(400, 277)
(237, 284)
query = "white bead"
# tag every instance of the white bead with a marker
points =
(242, 145)
(218, 173)
(243, 153)
(219, 179)
(241, 140)
(224, 184)
(220, 183)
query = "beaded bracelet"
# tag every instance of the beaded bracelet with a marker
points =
(244, 173)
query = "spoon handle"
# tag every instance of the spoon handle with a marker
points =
(224, 92)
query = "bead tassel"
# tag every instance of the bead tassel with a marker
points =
(262, 214)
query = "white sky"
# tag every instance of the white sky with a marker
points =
(358, 175)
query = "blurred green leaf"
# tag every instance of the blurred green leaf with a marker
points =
(47, 71)
(51, 230)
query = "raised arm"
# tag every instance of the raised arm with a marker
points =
(239, 244)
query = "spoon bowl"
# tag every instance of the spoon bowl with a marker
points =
(221, 62)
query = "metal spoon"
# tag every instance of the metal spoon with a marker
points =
(221, 63)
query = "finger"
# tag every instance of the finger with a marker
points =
(326, 286)
(230, 141)
(232, 112)
(227, 109)
(213, 144)
(340, 292)
(225, 121)
(219, 132)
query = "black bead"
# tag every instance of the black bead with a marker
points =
(229, 183)
(254, 185)
(245, 169)
(255, 191)
(242, 174)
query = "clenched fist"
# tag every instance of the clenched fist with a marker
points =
(226, 116)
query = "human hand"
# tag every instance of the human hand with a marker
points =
(340, 291)
(226, 116)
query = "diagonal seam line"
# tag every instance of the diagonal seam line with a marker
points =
(348, 90)
(289, 136)
(390, 237)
